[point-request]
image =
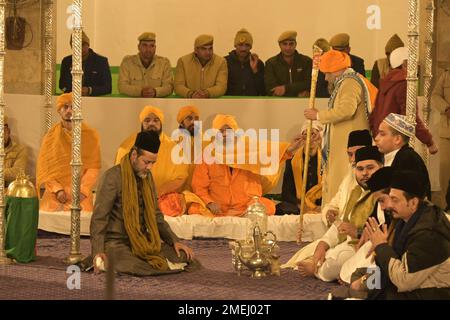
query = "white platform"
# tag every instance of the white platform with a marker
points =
(194, 226)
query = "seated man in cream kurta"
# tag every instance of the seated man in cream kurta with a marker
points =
(169, 177)
(325, 258)
(314, 229)
(226, 189)
(53, 164)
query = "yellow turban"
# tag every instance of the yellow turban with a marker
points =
(288, 35)
(243, 37)
(150, 109)
(204, 40)
(224, 119)
(63, 99)
(185, 111)
(333, 61)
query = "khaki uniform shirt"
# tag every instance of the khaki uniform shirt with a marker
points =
(133, 76)
(191, 76)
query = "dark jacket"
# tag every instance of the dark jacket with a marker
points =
(96, 74)
(322, 86)
(241, 79)
(289, 203)
(418, 262)
(296, 78)
(391, 98)
(358, 64)
(408, 159)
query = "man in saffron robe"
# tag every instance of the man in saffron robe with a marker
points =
(169, 177)
(227, 189)
(53, 165)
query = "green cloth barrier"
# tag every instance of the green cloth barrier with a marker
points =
(22, 215)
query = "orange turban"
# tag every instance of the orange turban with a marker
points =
(150, 109)
(333, 61)
(224, 119)
(63, 99)
(185, 111)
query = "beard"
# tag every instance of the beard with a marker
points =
(154, 129)
(331, 88)
(363, 184)
(140, 173)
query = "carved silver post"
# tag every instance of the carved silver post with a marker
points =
(3, 258)
(49, 77)
(428, 69)
(77, 73)
(413, 57)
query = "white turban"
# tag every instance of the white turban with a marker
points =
(315, 125)
(398, 56)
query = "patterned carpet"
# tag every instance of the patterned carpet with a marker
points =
(46, 278)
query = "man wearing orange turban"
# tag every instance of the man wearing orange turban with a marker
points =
(169, 177)
(228, 189)
(352, 99)
(53, 165)
(186, 118)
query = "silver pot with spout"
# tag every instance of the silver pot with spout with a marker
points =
(259, 261)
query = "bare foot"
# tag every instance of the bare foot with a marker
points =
(306, 268)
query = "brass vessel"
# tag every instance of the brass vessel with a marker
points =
(259, 260)
(21, 187)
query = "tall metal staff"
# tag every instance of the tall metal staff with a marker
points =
(77, 73)
(317, 52)
(49, 63)
(3, 258)
(413, 57)
(428, 69)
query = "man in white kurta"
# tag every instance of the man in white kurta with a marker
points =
(315, 226)
(378, 184)
(338, 243)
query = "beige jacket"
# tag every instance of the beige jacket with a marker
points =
(440, 100)
(133, 76)
(191, 76)
(348, 114)
(16, 158)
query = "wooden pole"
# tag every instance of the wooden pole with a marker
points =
(317, 52)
